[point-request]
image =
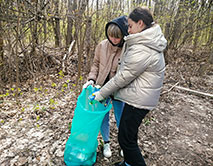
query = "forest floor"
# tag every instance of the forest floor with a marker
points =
(179, 132)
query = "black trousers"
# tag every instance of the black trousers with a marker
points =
(128, 134)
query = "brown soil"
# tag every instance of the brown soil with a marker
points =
(178, 132)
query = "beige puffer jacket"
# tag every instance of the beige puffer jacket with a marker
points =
(105, 62)
(139, 79)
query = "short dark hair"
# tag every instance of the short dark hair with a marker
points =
(142, 13)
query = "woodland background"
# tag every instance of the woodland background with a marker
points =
(46, 50)
(35, 35)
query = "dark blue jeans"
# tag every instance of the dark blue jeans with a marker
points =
(128, 134)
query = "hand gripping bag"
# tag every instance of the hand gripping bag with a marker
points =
(81, 146)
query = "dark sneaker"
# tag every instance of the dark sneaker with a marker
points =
(120, 164)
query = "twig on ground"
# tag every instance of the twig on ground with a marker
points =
(194, 91)
(169, 89)
(188, 90)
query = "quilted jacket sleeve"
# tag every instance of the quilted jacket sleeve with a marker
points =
(134, 63)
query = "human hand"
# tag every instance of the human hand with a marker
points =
(98, 96)
(90, 82)
(97, 86)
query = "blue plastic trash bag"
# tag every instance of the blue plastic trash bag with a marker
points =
(82, 143)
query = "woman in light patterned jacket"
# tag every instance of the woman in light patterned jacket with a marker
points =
(138, 81)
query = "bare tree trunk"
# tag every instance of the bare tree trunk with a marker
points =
(129, 6)
(1, 48)
(177, 26)
(120, 5)
(34, 39)
(109, 10)
(8, 34)
(1, 54)
(139, 1)
(88, 42)
(71, 7)
(88, 39)
(189, 28)
(1, 42)
(44, 23)
(57, 25)
(167, 30)
(157, 8)
(34, 30)
(96, 23)
(210, 35)
(150, 3)
(17, 56)
(197, 34)
(79, 37)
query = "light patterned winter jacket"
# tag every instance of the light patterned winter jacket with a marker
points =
(140, 75)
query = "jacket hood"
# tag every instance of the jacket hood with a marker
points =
(151, 37)
(122, 23)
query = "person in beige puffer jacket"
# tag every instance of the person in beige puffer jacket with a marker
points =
(105, 62)
(138, 81)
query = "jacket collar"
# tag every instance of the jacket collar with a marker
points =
(151, 37)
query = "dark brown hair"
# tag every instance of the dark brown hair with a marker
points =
(142, 13)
